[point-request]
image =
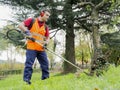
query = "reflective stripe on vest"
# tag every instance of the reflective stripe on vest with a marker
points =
(41, 32)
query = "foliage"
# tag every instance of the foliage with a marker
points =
(7, 66)
(82, 49)
(36, 6)
(6, 40)
(15, 38)
(81, 13)
(108, 81)
(3, 44)
(112, 54)
(88, 15)
(111, 44)
(111, 39)
(100, 66)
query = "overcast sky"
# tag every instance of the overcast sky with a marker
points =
(5, 13)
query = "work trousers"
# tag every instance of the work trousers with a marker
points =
(43, 61)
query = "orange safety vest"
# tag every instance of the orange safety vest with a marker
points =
(41, 32)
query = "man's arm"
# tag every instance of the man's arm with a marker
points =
(47, 35)
(22, 27)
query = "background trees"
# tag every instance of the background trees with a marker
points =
(74, 15)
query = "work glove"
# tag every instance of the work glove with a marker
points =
(27, 32)
(45, 46)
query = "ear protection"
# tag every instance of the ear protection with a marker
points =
(42, 13)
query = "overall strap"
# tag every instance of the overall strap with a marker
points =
(33, 20)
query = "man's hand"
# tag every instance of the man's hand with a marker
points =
(27, 32)
(45, 46)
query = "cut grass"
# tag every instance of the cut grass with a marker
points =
(109, 81)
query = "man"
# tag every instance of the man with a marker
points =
(38, 31)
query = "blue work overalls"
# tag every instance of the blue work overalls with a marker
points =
(43, 61)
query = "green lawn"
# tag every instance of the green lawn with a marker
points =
(109, 81)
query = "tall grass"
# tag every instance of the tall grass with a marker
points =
(110, 80)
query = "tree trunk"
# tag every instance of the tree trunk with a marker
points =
(70, 49)
(96, 41)
(82, 59)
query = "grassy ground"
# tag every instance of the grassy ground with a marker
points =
(109, 81)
